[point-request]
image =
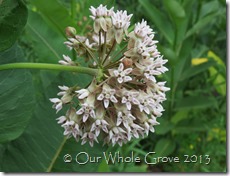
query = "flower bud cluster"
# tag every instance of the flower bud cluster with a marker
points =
(126, 100)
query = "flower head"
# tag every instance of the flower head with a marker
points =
(125, 99)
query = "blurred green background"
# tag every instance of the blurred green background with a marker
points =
(192, 36)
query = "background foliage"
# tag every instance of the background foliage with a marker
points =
(192, 36)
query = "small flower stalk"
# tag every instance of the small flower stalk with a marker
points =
(125, 100)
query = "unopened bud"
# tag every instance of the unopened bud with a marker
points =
(79, 23)
(85, 18)
(70, 31)
(127, 62)
(89, 27)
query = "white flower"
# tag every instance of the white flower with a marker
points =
(82, 93)
(100, 16)
(149, 72)
(66, 61)
(158, 64)
(142, 29)
(125, 97)
(121, 22)
(148, 125)
(117, 135)
(86, 110)
(147, 103)
(68, 126)
(61, 120)
(98, 125)
(107, 95)
(89, 136)
(100, 11)
(126, 118)
(64, 90)
(57, 103)
(121, 74)
(135, 131)
(129, 98)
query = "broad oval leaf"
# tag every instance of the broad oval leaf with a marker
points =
(164, 147)
(16, 95)
(195, 102)
(164, 127)
(13, 17)
(37, 149)
(175, 8)
(60, 20)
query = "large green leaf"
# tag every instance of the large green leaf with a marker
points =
(164, 127)
(16, 95)
(192, 71)
(201, 23)
(196, 102)
(37, 149)
(79, 154)
(189, 126)
(13, 17)
(46, 43)
(174, 8)
(60, 20)
(164, 147)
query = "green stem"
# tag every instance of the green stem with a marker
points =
(112, 48)
(120, 52)
(73, 9)
(104, 49)
(56, 155)
(86, 70)
(172, 91)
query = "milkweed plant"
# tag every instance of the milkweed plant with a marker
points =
(124, 100)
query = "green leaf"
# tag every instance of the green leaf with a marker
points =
(192, 71)
(46, 43)
(196, 102)
(13, 17)
(17, 97)
(191, 128)
(201, 23)
(36, 150)
(159, 19)
(103, 167)
(169, 54)
(209, 7)
(80, 154)
(55, 14)
(174, 8)
(220, 80)
(180, 115)
(164, 127)
(164, 147)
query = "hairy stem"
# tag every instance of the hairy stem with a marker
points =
(112, 48)
(85, 70)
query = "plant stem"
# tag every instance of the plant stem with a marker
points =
(120, 52)
(104, 49)
(171, 102)
(112, 48)
(73, 9)
(78, 69)
(56, 155)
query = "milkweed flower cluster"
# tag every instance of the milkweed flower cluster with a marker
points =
(126, 100)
